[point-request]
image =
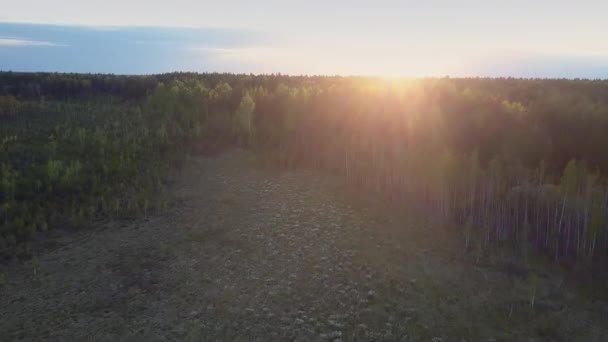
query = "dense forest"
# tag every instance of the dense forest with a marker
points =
(519, 162)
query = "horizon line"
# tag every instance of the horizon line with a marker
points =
(396, 77)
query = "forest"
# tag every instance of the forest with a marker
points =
(515, 162)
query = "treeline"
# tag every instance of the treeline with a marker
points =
(527, 172)
(62, 163)
(515, 161)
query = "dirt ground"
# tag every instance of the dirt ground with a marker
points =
(250, 254)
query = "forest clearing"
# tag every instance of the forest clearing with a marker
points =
(244, 252)
(242, 207)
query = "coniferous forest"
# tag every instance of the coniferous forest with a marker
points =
(520, 163)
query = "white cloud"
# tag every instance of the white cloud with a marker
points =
(17, 42)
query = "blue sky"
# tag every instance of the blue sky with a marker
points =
(391, 38)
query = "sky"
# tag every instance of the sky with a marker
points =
(516, 38)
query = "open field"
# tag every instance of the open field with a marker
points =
(244, 252)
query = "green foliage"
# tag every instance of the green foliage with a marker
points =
(569, 180)
(221, 92)
(75, 161)
(533, 286)
(516, 161)
(517, 109)
(524, 242)
(245, 119)
(9, 105)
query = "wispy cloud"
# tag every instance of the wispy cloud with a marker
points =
(18, 42)
(132, 50)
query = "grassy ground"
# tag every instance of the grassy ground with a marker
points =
(246, 253)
